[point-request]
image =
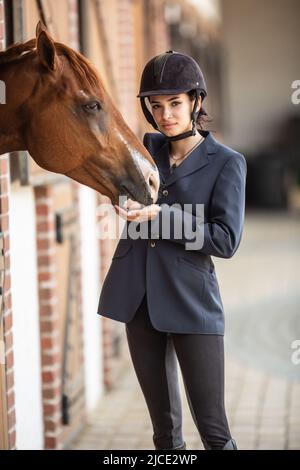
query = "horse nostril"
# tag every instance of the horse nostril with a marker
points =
(152, 181)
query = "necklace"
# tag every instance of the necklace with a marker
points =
(187, 153)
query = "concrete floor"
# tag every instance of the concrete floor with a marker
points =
(260, 287)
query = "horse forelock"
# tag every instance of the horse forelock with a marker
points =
(81, 66)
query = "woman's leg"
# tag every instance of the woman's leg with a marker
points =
(154, 360)
(201, 359)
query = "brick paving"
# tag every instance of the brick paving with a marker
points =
(260, 288)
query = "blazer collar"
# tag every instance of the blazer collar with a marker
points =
(196, 160)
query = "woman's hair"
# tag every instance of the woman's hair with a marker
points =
(203, 117)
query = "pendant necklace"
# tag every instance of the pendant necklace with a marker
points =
(186, 154)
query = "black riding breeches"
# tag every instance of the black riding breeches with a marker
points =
(201, 360)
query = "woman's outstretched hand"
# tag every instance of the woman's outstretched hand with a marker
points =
(136, 212)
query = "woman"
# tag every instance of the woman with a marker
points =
(164, 287)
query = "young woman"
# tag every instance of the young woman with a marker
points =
(164, 288)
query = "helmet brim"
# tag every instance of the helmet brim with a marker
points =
(162, 92)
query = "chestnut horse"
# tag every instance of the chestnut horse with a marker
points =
(56, 107)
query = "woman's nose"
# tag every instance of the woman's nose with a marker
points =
(167, 113)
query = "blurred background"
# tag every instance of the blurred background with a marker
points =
(66, 379)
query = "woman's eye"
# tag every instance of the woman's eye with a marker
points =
(94, 106)
(173, 104)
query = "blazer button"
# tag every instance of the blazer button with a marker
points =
(165, 192)
(152, 244)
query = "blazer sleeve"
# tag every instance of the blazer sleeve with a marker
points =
(222, 233)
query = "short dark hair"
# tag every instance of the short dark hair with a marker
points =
(203, 117)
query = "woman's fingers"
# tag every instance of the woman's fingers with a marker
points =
(138, 215)
(132, 205)
(127, 215)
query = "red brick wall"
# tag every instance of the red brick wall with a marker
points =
(7, 305)
(56, 434)
(49, 325)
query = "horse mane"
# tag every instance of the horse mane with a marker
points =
(16, 50)
(81, 66)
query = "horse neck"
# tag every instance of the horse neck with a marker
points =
(10, 121)
(10, 140)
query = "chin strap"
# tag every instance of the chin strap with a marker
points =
(184, 135)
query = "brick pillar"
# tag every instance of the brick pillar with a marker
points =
(49, 325)
(126, 59)
(7, 301)
(73, 24)
(78, 263)
(111, 368)
(57, 434)
(127, 87)
(158, 40)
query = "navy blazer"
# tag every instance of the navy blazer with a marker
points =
(181, 285)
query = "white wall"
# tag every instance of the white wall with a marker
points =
(261, 60)
(27, 366)
(90, 296)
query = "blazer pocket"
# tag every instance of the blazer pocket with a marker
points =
(122, 249)
(190, 264)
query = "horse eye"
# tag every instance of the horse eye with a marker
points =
(93, 106)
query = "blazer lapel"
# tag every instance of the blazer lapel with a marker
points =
(196, 160)
(161, 158)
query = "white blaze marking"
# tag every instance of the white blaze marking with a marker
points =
(83, 93)
(138, 158)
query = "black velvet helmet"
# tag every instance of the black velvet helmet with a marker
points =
(171, 73)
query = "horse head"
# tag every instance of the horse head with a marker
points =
(58, 109)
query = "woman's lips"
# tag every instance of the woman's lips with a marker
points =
(168, 126)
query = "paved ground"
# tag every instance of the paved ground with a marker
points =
(260, 287)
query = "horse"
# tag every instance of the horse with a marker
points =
(57, 109)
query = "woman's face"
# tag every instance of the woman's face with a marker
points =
(172, 113)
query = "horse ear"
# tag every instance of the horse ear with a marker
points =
(46, 50)
(40, 27)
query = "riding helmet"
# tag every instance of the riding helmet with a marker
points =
(171, 73)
